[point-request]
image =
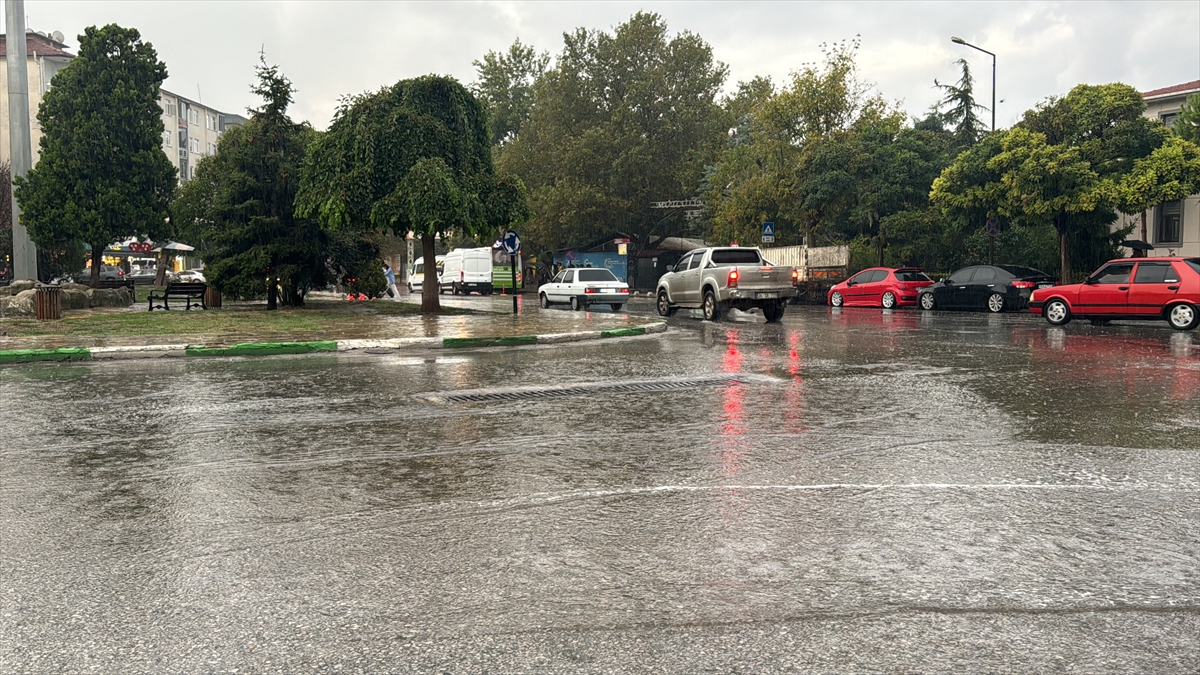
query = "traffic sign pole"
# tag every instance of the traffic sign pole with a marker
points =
(512, 245)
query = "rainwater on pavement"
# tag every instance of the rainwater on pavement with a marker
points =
(847, 491)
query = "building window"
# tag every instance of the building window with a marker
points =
(194, 145)
(1167, 226)
(193, 116)
(167, 138)
(1169, 118)
(212, 148)
(211, 122)
(168, 108)
(191, 172)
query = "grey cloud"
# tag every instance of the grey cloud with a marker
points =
(331, 49)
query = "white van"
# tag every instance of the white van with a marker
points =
(466, 270)
(416, 274)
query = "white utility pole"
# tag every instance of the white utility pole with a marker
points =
(21, 160)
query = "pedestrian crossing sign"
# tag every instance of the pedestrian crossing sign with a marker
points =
(768, 233)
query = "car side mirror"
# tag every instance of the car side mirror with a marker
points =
(1090, 281)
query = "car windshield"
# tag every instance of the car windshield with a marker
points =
(735, 256)
(911, 275)
(596, 275)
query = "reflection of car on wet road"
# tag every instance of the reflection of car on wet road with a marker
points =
(880, 287)
(991, 287)
(1142, 288)
(585, 286)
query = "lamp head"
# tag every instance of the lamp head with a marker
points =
(957, 40)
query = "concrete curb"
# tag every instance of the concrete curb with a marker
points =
(326, 346)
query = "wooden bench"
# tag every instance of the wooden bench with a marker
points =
(187, 290)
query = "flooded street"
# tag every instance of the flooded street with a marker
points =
(847, 491)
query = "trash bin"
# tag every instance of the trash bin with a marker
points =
(48, 300)
(212, 298)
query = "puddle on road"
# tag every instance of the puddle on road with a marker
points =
(585, 388)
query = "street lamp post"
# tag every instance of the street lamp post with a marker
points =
(959, 41)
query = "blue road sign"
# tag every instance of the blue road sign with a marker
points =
(570, 256)
(511, 242)
(768, 233)
(992, 226)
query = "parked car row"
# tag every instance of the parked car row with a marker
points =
(1128, 288)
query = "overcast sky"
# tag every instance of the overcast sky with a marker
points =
(333, 48)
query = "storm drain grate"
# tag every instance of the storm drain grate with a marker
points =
(582, 389)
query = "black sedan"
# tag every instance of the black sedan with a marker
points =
(991, 287)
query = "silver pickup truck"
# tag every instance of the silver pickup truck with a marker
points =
(714, 279)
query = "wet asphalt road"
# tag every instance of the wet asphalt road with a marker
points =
(901, 492)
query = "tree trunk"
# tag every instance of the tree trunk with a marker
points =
(160, 277)
(882, 240)
(1145, 235)
(97, 263)
(429, 288)
(1064, 252)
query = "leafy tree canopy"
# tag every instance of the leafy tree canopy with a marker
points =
(102, 174)
(416, 157)
(1187, 125)
(505, 85)
(240, 205)
(623, 119)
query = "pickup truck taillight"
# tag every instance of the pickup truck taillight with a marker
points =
(795, 277)
(733, 278)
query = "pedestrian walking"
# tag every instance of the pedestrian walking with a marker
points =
(391, 280)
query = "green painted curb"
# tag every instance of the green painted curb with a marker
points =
(264, 348)
(622, 332)
(27, 355)
(455, 343)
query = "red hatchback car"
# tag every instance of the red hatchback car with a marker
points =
(1129, 288)
(880, 287)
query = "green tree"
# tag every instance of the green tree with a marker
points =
(416, 157)
(1060, 166)
(102, 174)
(505, 85)
(241, 204)
(958, 108)
(1170, 172)
(624, 119)
(1187, 125)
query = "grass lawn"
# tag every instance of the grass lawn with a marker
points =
(316, 317)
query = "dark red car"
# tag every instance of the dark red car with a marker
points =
(880, 287)
(1129, 288)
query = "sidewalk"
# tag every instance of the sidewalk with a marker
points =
(325, 327)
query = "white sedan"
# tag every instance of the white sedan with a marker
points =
(584, 286)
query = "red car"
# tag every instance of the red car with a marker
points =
(1129, 288)
(880, 287)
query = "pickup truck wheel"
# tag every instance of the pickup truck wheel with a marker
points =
(616, 306)
(712, 309)
(576, 303)
(544, 300)
(773, 313)
(664, 304)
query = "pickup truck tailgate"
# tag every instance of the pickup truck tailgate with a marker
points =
(765, 278)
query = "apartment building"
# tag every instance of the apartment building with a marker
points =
(1173, 228)
(45, 55)
(191, 131)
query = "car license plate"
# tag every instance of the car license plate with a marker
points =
(1048, 285)
(760, 296)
